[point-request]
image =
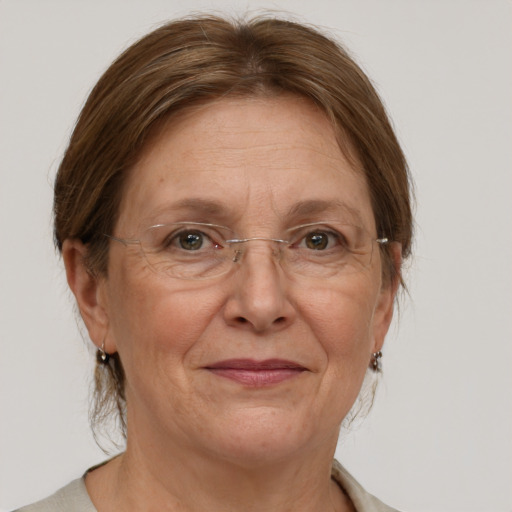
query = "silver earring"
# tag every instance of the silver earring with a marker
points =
(101, 356)
(376, 361)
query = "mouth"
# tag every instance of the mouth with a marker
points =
(253, 373)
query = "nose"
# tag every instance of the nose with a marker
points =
(260, 295)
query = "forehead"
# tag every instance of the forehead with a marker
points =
(242, 160)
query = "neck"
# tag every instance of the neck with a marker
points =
(147, 477)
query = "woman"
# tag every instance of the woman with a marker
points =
(232, 211)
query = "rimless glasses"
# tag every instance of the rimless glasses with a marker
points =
(195, 250)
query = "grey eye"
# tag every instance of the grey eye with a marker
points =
(191, 240)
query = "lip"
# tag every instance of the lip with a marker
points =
(253, 373)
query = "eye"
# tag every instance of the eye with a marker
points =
(184, 239)
(316, 241)
(320, 240)
(190, 240)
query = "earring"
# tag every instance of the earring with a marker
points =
(376, 361)
(101, 356)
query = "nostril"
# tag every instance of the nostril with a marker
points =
(242, 320)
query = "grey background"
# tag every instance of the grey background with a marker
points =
(440, 435)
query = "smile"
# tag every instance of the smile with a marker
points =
(256, 373)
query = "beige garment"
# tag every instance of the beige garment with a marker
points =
(71, 498)
(362, 500)
(74, 497)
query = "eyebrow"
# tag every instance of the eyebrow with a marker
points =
(321, 206)
(196, 206)
(207, 208)
(200, 205)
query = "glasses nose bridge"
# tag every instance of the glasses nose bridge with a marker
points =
(239, 245)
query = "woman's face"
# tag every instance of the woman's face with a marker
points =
(260, 362)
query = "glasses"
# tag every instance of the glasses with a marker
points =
(194, 250)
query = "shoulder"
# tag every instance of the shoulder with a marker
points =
(363, 501)
(71, 498)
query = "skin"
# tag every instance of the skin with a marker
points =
(252, 448)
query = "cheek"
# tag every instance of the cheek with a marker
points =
(157, 327)
(152, 317)
(341, 320)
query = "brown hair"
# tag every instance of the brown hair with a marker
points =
(199, 59)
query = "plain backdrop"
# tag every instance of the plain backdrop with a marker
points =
(439, 437)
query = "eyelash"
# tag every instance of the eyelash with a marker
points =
(174, 239)
(339, 239)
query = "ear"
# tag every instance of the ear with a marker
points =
(385, 304)
(87, 289)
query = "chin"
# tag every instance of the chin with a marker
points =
(267, 436)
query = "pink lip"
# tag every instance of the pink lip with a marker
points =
(256, 373)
